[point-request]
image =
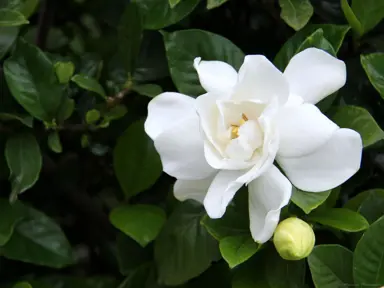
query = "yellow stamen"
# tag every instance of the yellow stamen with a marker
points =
(235, 128)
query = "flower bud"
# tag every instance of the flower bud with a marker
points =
(294, 239)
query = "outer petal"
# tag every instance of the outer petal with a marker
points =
(166, 110)
(181, 150)
(215, 76)
(260, 80)
(329, 166)
(303, 129)
(221, 192)
(192, 189)
(267, 195)
(314, 74)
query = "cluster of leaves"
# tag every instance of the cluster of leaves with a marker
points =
(76, 77)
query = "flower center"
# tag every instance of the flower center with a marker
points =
(235, 128)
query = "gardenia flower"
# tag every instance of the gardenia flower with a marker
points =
(232, 135)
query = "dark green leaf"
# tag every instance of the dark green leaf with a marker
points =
(129, 36)
(360, 120)
(39, 240)
(235, 220)
(281, 273)
(340, 218)
(11, 214)
(316, 39)
(372, 208)
(149, 90)
(89, 83)
(136, 162)
(238, 249)
(215, 3)
(373, 65)
(74, 282)
(25, 7)
(11, 18)
(368, 261)
(92, 116)
(296, 13)
(159, 14)
(66, 110)
(173, 3)
(182, 47)
(184, 249)
(24, 161)
(333, 33)
(26, 120)
(22, 285)
(369, 13)
(309, 201)
(130, 254)
(64, 71)
(32, 80)
(355, 202)
(54, 142)
(351, 18)
(140, 222)
(331, 266)
(8, 35)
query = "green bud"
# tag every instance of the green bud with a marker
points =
(294, 239)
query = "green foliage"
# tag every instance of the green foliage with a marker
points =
(331, 266)
(141, 222)
(137, 164)
(83, 200)
(296, 13)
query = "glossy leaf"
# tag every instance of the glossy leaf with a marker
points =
(331, 266)
(24, 119)
(64, 71)
(32, 80)
(368, 261)
(282, 273)
(340, 218)
(296, 13)
(334, 34)
(351, 18)
(316, 39)
(89, 83)
(211, 4)
(309, 201)
(11, 215)
(372, 208)
(369, 13)
(140, 222)
(11, 18)
(8, 36)
(24, 161)
(136, 162)
(184, 249)
(355, 202)
(360, 120)
(54, 142)
(39, 240)
(22, 285)
(173, 3)
(373, 65)
(149, 90)
(182, 47)
(159, 14)
(238, 249)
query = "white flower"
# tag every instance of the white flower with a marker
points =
(231, 135)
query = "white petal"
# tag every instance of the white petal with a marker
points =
(165, 110)
(313, 74)
(192, 189)
(260, 80)
(221, 192)
(329, 166)
(303, 129)
(215, 76)
(181, 150)
(267, 195)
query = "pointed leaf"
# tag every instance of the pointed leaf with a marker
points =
(238, 249)
(89, 83)
(309, 201)
(12, 18)
(296, 13)
(373, 65)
